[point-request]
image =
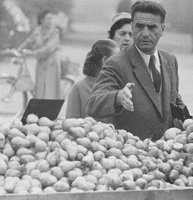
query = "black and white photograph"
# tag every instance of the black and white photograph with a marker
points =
(96, 99)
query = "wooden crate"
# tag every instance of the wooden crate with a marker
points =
(185, 194)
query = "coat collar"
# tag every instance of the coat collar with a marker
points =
(141, 73)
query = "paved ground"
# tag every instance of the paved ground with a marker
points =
(77, 45)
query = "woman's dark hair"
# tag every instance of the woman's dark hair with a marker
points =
(42, 15)
(93, 63)
(148, 7)
(119, 24)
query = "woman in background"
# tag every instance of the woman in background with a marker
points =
(121, 29)
(43, 44)
(80, 93)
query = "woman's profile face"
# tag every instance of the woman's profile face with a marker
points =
(123, 36)
(47, 20)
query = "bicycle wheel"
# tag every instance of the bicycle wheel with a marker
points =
(17, 102)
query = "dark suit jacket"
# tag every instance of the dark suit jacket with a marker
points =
(148, 120)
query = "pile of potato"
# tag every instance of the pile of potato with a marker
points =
(76, 155)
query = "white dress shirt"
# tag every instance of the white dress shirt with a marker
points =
(146, 59)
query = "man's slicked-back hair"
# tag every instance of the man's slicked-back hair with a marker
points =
(149, 7)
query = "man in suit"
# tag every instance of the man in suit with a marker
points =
(136, 90)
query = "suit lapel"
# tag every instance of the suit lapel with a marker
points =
(142, 75)
(166, 86)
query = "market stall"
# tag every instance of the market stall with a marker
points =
(85, 159)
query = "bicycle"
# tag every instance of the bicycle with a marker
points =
(14, 98)
(20, 94)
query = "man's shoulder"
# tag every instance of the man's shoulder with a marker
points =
(120, 56)
(166, 54)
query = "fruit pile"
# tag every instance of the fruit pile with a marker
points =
(76, 155)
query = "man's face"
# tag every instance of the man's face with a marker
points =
(123, 36)
(147, 30)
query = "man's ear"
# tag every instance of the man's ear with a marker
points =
(132, 26)
(104, 59)
(163, 26)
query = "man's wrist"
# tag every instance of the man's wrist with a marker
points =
(117, 103)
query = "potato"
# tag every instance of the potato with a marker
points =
(90, 119)
(81, 149)
(171, 133)
(73, 174)
(114, 152)
(107, 163)
(93, 136)
(86, 186)
(3, 167)
(2, 140)
(53, 157)
(72, 122)
(46, 179)
(121, 165)
(43, 136)
(14, 132)
(31, 129)
(36, 190)
(30, 166)
(35, 173)
(69, 165)
(24, 151)
(14, 165)
(2, 191)
(129, 185)
(4, 128)
(13, 173)
(18, 142)
(36, 183)
(52, 145)
(2, 181)
(72, 151)
(98, 155)
(25, 184)
(77, 132)
(41, 155)
(40, 146)
(20, 190)
(54, 133)
(8, 150)
(57, 172)
(91, 178)
(17, 123)
(142, 183)
(44, 121)
(129, 150)
(115, 182)
(61, 186)
(84, 142)
(95, 146)
(88, 160)
(10, 183)
(32, 118)
(26, 159)
(49, 190)
(43, 165)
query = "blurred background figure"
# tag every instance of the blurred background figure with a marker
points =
(80, 93)
(124, 6)
(44, 43)
(121, 30)
(61, 21)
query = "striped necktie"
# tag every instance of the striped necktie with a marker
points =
(155, 74)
